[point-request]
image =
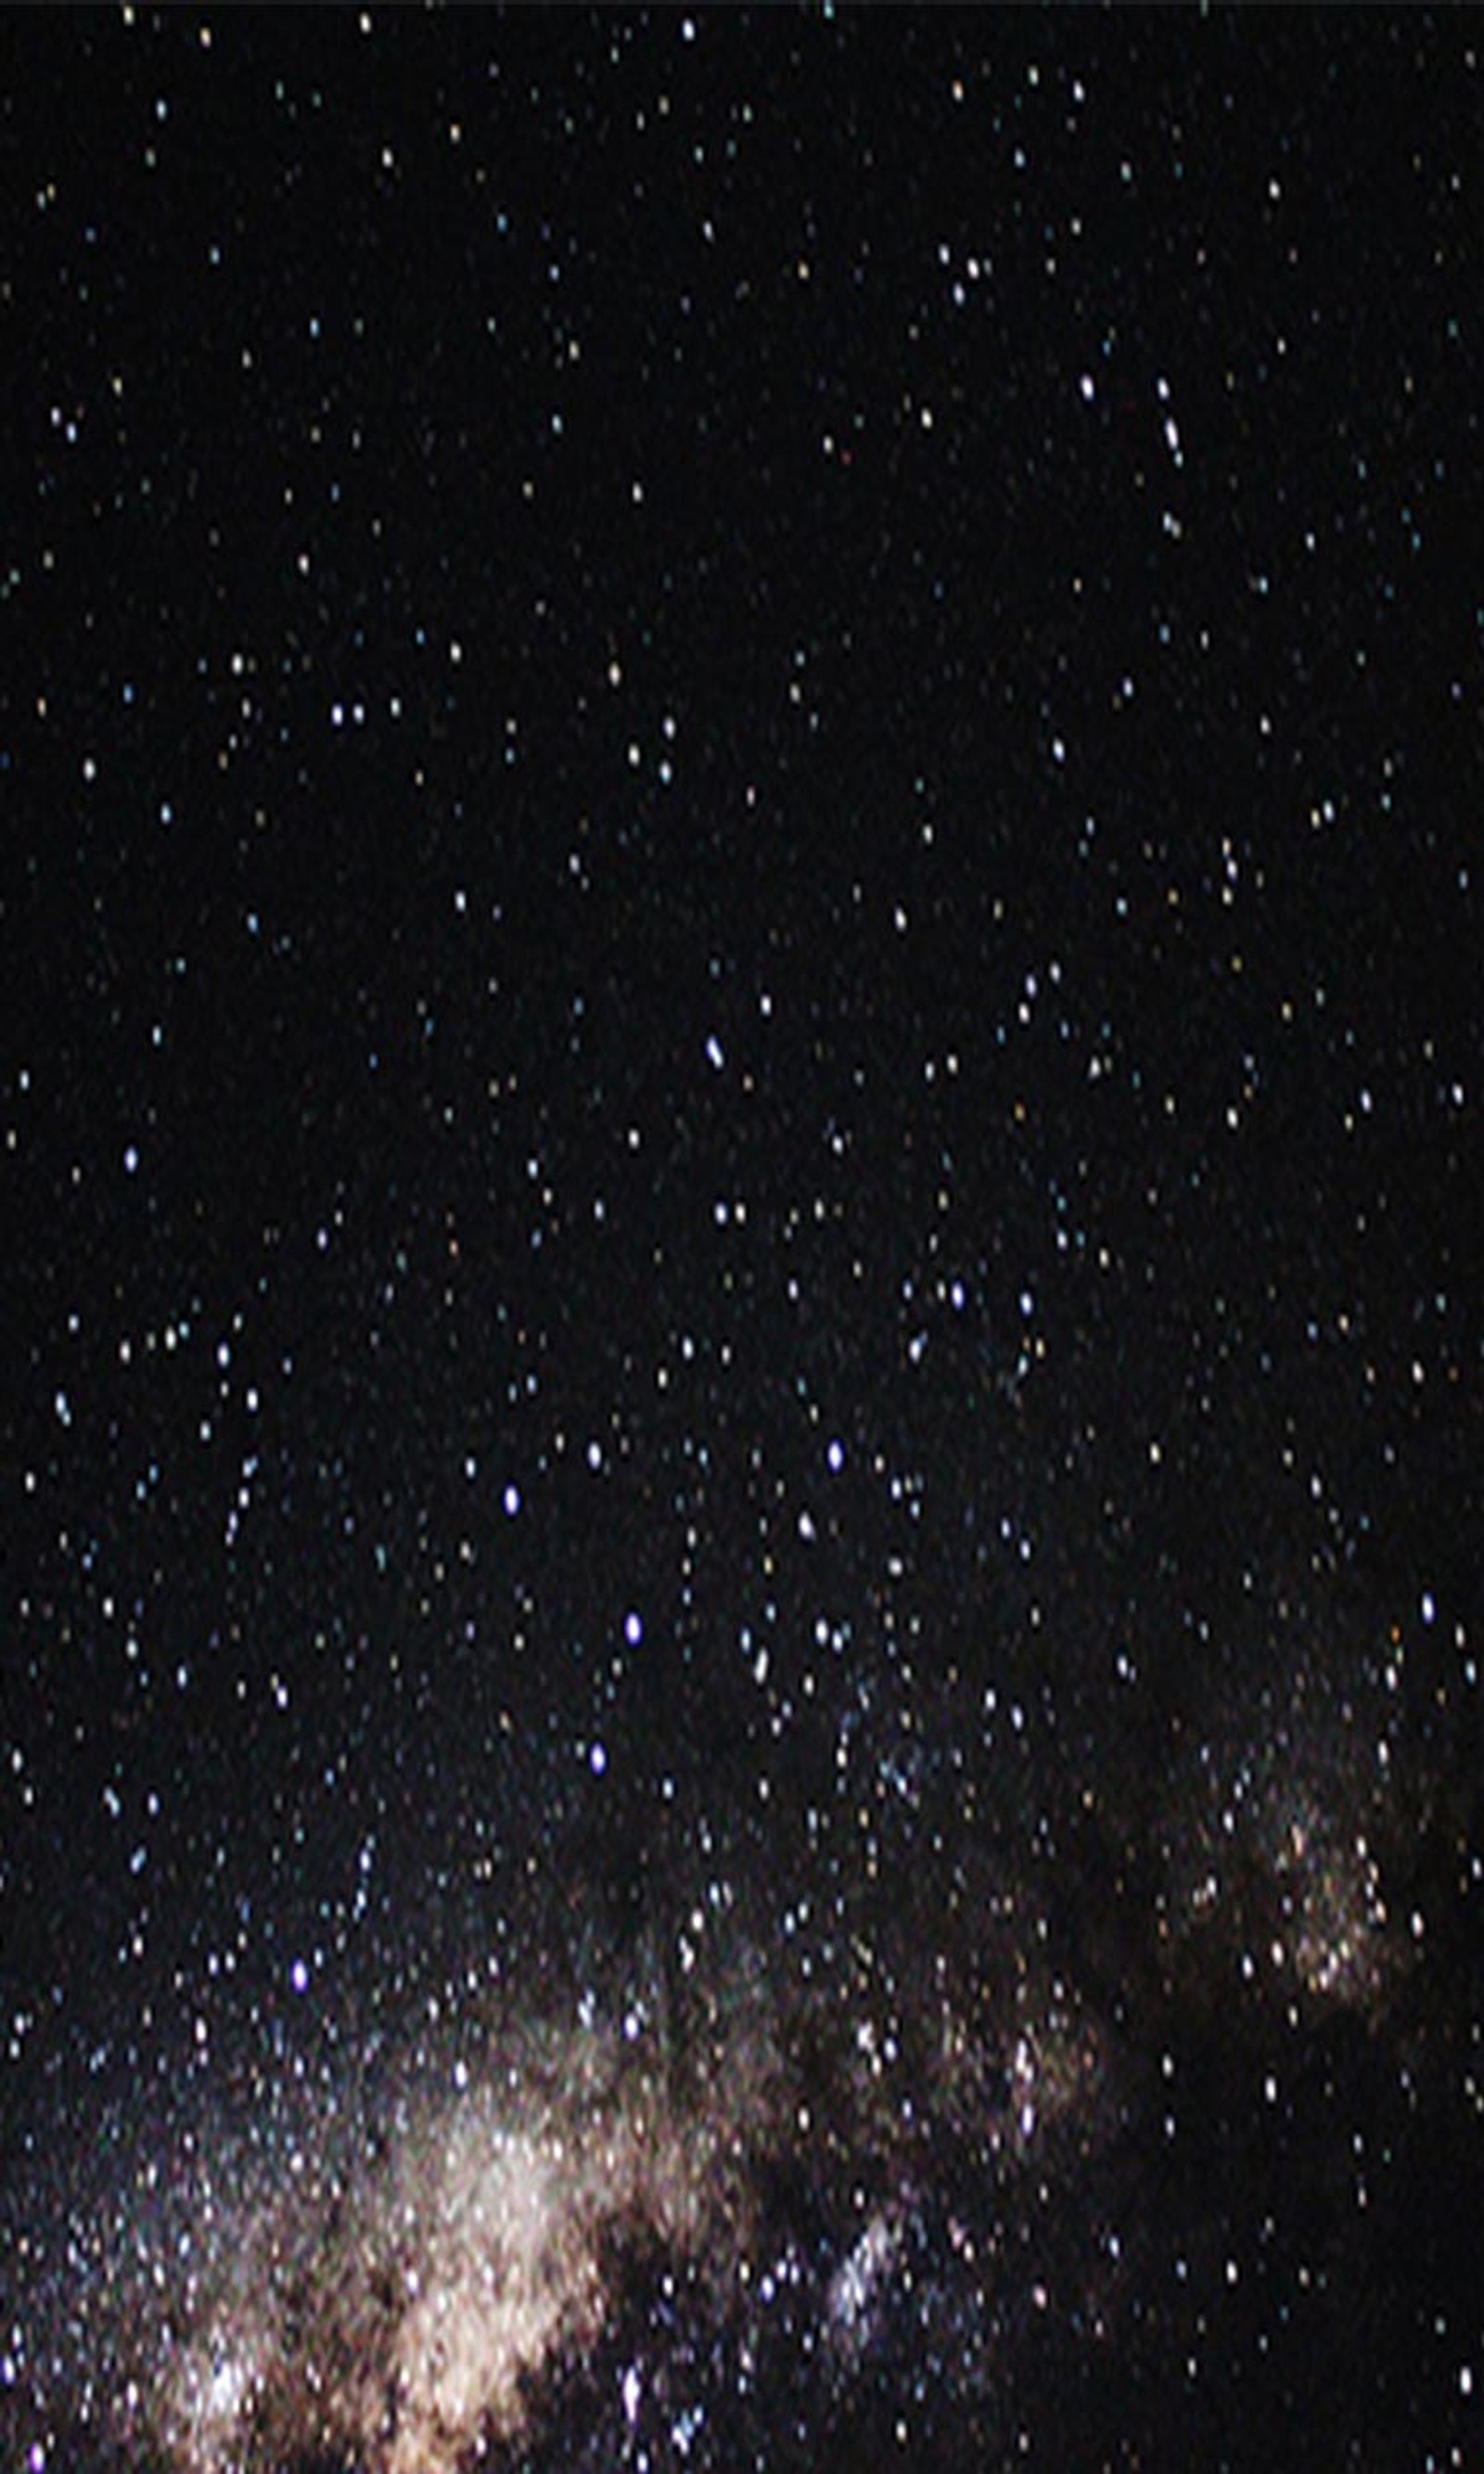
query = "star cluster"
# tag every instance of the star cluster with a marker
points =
(739, 1716)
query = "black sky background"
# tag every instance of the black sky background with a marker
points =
(740, 773)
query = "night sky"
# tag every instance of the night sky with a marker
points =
(743, 882)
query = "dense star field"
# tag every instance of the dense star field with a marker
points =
(742, 867)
